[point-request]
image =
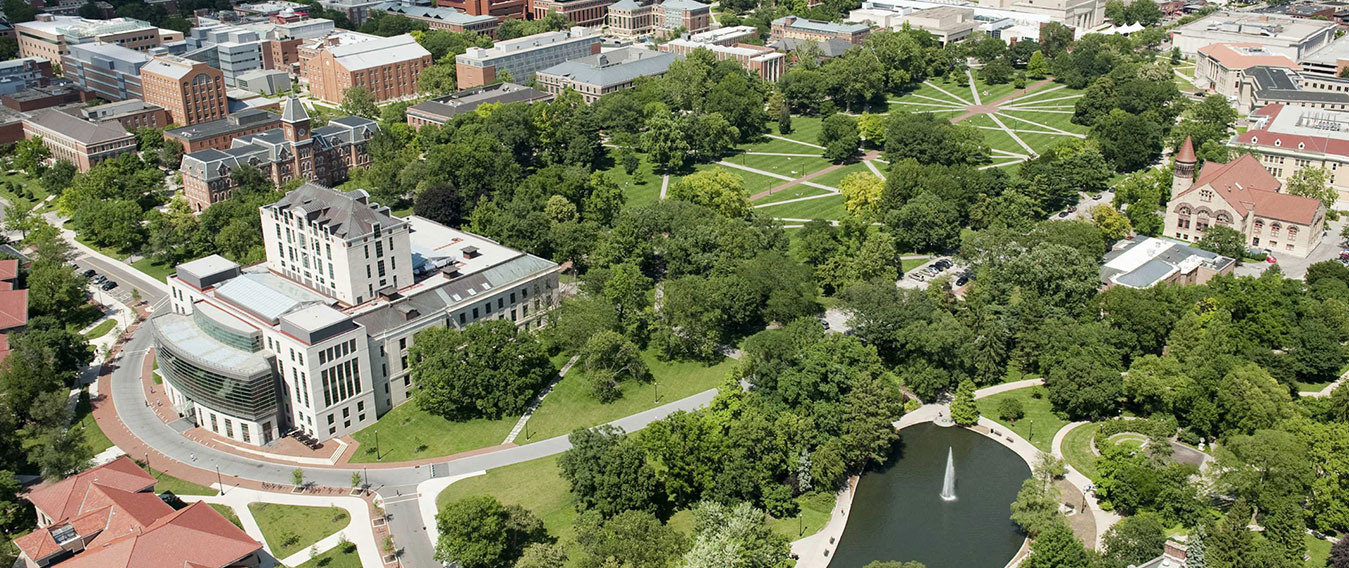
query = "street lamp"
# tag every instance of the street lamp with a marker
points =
(377, 456)
(655, 389)
(219, 479)
(1032, 428)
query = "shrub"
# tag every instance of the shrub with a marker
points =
(1010, 409)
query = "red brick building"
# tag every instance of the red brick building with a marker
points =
(292, 151)
(192, 91)
(388, 67)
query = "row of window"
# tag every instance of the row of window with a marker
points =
(337, 351)
(341, 382)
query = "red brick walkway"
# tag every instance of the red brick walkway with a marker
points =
(989, 108)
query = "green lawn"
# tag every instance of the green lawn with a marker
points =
(907, 264)
(25, 192)
(292, 528)
(1057, 120)
(916, 105)
(793, 192)
(158, 271)
(1039, 416)
(642, 187)
(959, 88)
(780, 146)
(1054, 91)
(337, 557)
(805, 129)
(93, 435)
(790, 166)
(989, 93)
(570, 405)
(834, 178)
(410, 433)
(227, 512)
(1318, 550)
(177, 486)
(1077, 450)
(754, 183)
(536, 485)
(823, 208)
(1001, 140)
(102, 329)
(815, 510)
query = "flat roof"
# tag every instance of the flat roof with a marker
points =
(378, 52)
(614, 67)
(191, 341)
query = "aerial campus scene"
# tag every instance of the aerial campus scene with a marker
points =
(669, 284)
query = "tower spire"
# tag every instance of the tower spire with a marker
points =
(1183, 172)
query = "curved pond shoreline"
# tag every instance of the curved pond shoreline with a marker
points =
(818, 550)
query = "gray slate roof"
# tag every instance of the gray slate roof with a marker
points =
(346, 214)
(84, 131)
(615, 67)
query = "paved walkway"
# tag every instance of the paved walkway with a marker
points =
(357, 532)
(982, 108)
(1015, 385)
(1104, 519)
(124, 416)
(1328, 388)
(534, 404)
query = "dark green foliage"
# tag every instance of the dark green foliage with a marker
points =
(486, 370)
(609, 474)
(480, 532)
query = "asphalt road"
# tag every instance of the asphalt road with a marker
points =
(394, 484)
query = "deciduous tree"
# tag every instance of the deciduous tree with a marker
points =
(485, 370)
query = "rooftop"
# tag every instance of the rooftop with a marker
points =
(819, 25)
(346, 215)
(205, 350)
(215, 541)
(1301, 129)
(238, 121)
(1245, 24)
(1145, 261)
(536, 41)
(467, 100)
(378, 52)
(1245, 55)
(75, 27)
(614, 67)
(111, 51)
(1331, 54)
(84, 131)
(266, 295)
(170, 66)
(434, 13)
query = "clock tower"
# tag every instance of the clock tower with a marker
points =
(295, 120)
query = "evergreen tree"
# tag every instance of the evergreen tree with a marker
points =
(963, 409)
(1194, 557)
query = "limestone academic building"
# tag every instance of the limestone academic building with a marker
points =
(316, 338)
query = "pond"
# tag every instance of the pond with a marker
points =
(898, 513)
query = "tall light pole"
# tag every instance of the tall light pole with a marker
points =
(377, 456)
(220, 479)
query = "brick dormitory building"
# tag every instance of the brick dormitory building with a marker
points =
(292, 151)
(388, 67)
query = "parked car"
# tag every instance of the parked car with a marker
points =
(1063, 213)
(98, 279)
(108, 285)
(90, 273)
(962, 280)
(1270, 259)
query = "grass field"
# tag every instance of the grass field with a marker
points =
(570, 405)
(292, 528)
(411, 433)
(790, 166)
(168, 482)
(1057, 120)
(1077, 450)
(834, 178)
(227, 512)
(754, 183)
(101, 330)
(793, 192)
(805, 129)
(1318, 550)
(337, 557)
(925, 93)
(780, 146)
(1001, 140)
(642, 187)
(93, 435)
(989, 93)
(25, 192)
(823, 208)
(536, 485)
(1039, 415)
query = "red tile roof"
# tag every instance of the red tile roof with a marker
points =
(1267, 138)
(1231, 56)
(13, 308)
(126, 526)
(1186, 153)
(9, 269)
(62, 500)
(194, 536)
(1245, 185)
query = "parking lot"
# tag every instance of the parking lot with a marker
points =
(118, 291)
(919, 278)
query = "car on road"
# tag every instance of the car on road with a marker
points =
(108, 285)
(1270, 259)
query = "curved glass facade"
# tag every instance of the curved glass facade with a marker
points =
(251, 343)
(250, 398)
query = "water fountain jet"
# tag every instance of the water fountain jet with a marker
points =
(948, 487)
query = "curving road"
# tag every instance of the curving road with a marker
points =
(397, 485)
